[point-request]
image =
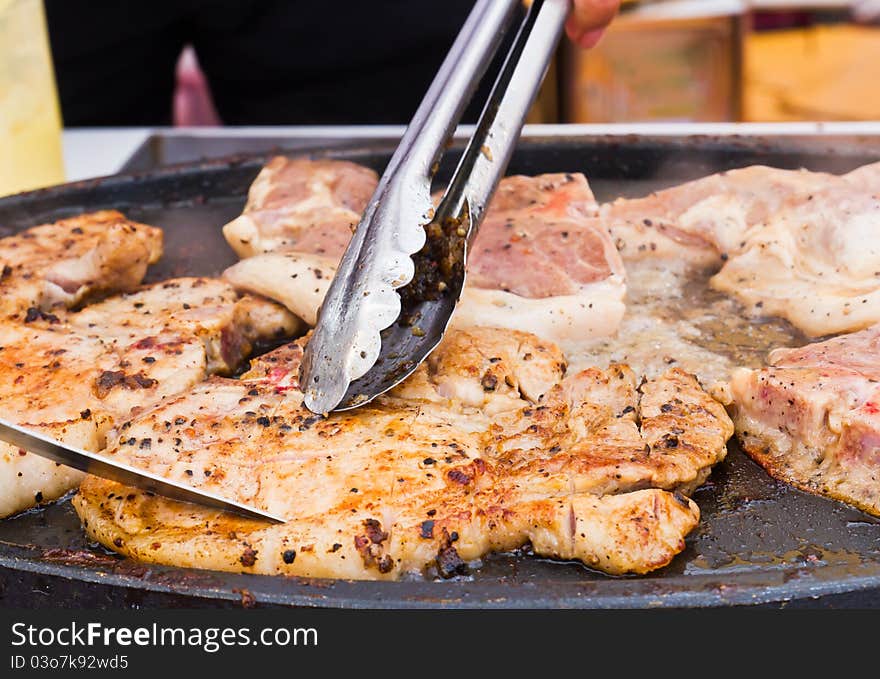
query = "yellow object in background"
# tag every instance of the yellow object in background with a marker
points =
(825, 72)
(30, 121)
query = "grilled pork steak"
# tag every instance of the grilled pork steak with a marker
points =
(540, 261)
(702, 220)
(488, 446)
(73, 376)
(73, 260)
(812, 418)
(304, 205)
(801, 245)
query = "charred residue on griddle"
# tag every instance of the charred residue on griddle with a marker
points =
(670, 441)
(374, 531)
(36, 314)
(79, 557)
(489, 382)
(109, 379)
(248, 600)
(307, 422)
(448, 561)
(248, 557)
(458, 476)
(369, 546)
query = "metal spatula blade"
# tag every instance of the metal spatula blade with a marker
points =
(106, 468)
(401, 277)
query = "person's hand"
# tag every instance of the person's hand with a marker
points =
(589, 19)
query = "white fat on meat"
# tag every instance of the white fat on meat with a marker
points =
(302, 204)
(812, 417)
(816, 264)
(804, 246)
(866, 177)
(540, 261)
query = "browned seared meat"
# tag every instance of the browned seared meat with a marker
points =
(541, 262)
(812, 418)
(488, 446)
(300, 204)
(801, 245)
(226, 322)
(74, 377)
(68, 262)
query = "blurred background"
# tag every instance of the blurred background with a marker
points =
(728, 60)
(74, 65)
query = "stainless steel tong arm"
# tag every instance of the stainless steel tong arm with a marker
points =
(357, 349)
(107, 468)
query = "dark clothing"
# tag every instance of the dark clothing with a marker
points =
(268, 62)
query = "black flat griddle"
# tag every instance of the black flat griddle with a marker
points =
(759, 542)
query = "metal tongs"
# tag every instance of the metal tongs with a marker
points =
(403, 272)
(107, 468)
